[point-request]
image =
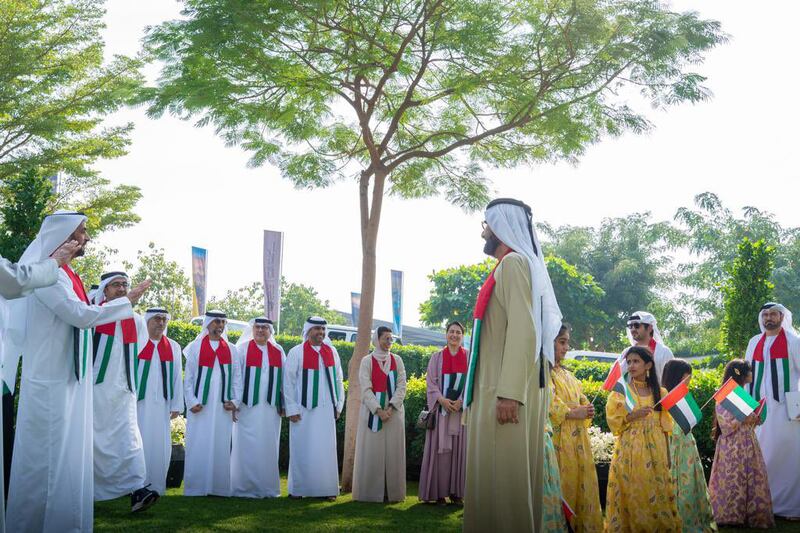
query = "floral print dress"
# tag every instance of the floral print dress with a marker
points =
(641, 492)
(576, 465)
(553, 519)
(694, 506)
(738, 486)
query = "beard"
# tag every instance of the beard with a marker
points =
(491, 244)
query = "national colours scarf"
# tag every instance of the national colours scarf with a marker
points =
(205, 368)
(778, 367)
(310, 398)
(103, 343)
(141, 368)
(383, 385)
(480, 311)
(252, 375)
(80, 337)
(454, 368)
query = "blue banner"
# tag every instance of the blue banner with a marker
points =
(397, 302)
(355, 306)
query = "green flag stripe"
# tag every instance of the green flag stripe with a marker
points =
(315, 389)
(85, 350)
(109, 343)
(740, 395)
(143, 381)
(257, 385)
(206, 383)
(692, 404)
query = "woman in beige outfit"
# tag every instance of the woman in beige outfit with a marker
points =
(380, 463)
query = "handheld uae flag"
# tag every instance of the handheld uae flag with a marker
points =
(681, 405)
(569, 514)
(761, 410)
(735, 399)
(616, 382)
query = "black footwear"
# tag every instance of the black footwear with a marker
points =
(143, 499)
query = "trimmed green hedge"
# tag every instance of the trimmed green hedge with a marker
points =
(415, 357)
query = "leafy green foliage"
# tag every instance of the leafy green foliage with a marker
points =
(25, 199)
(746, 290)
(170, 289)
(579, 298)
(55, 91)
(298, 302)
(453, 294)
(243, 303)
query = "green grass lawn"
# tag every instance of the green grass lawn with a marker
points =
(174, 512)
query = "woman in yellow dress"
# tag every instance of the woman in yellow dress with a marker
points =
(571, 414)
(641, 492)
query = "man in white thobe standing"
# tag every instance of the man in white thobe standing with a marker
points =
(159, 393)
(17, 280)
(642, 330)
(257, 431)
(208, 392)
(314, 401)
(775, 358)
(52, 483)
(119, 465)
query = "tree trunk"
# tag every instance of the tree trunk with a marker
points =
(370, 220)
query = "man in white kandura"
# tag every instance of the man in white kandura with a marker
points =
(159, 392)
(643, 331)
(775, 357)
(314, 401)
(208, 392)
(257, 431)
(119, 466)
(52, 484)
(16, 281)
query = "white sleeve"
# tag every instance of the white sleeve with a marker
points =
(64, 303)
(339, 382)
(18, 280)
(240, 358)
(751, 347)
(190, 377)
(291, 375)
(177, 378)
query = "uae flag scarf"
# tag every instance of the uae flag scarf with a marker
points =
(208, 356)
(383, 385)
(103, 343)
(80, 337)
(310, 398)
(484, 295)
(252, 375)
(780, 375)
(454, 370)
(141, 368)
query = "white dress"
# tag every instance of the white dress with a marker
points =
(52, 481)
(256, 437)
(153, 414)
(207, 467)
(313, 462)
(119, 464)
(779, 437)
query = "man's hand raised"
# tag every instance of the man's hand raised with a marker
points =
(66, 252)
(135, 293)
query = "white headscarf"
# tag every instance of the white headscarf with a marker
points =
(643, 317)
(208, 318)
(98, 296)
(314, 321)
(154, 312)
(247, 334)
(380, 354)
(54, 232)
(511, 224)
(787, 317)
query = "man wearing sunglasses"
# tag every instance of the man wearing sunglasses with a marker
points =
(643, 331)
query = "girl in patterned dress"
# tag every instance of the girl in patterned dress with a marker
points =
(738, 487)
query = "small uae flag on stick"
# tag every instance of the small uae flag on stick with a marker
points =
(735, 399)
(761, 410)
(682, 406)
(569, 514)
(616, 382)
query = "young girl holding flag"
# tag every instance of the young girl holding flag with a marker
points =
(694, 506)
(641, 493)
(738, 486)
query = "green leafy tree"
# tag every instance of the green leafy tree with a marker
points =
(243, 303)
(93, 264)
(410, 98)
(579, 298)
(24, 201)
(743, 293)
(453, 294)
(298, 302)
(170, 289)
(55, 91)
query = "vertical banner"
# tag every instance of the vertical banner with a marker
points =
(397, 302)
(273, 265)
(199, 279)
(355, 306)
